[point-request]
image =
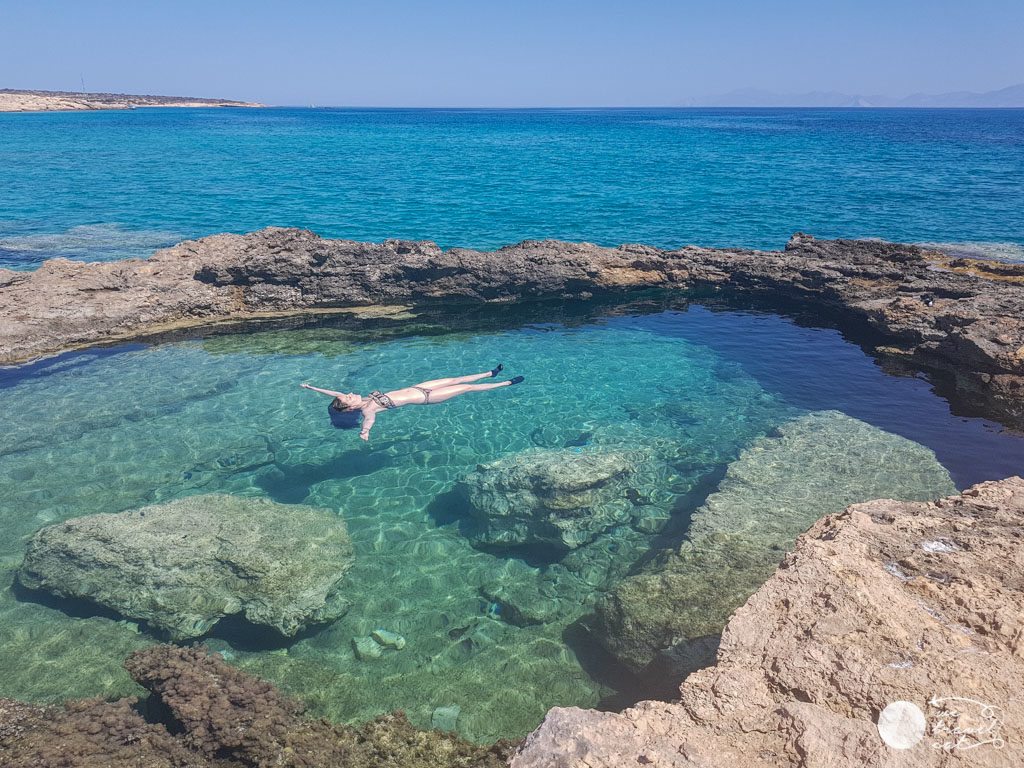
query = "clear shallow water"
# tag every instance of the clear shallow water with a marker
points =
(103, 185)
(106, 430)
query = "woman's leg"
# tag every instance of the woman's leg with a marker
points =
(435, 383)
(440, 394)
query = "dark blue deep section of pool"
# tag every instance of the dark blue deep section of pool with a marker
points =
(106, 185)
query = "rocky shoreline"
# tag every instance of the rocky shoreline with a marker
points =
(912, 602)
(887, 601)
(956, 319)
(65, 101)
(907, 608)
(203, 713)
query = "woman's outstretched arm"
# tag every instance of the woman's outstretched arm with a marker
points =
(322, 391)
(368, 419)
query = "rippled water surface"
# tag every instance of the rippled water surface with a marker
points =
(103, 185)
(108, 430)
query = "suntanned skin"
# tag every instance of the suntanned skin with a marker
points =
(440, 390)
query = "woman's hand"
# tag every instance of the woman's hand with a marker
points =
(304, 385)
(365, 434)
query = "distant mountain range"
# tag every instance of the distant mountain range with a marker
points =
(1012, 96)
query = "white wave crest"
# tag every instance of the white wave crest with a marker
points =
(88, 242)
(990, 251)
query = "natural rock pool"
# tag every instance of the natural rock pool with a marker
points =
(737, 427)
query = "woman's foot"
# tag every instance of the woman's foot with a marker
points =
(516, 380)
(497, 370)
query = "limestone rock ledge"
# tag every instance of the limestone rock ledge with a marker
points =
(960, 316)
(919, 602)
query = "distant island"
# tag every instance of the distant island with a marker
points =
(1010, 97)
(57, 101)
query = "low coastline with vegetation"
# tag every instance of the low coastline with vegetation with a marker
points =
(12, 100)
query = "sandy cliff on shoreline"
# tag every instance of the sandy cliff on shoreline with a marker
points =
(66, 101)
(958, 318)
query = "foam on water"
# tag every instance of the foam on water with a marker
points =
(108, 430)
(86, 242)
(1009, 252)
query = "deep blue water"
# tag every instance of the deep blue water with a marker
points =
(101, 185)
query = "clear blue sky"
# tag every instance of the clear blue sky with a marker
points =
(511, 53)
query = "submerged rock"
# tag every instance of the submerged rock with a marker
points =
(445, 718)
(388, 639)
(814, 465)
(211, 715)
(184, 565)
(366, 648)
(832, 639)
(559, 498)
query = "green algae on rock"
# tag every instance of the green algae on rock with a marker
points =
(560, 498)
(210, 715)
(184, 565)
(663, 617)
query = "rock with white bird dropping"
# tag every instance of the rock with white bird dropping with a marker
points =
(388, 639)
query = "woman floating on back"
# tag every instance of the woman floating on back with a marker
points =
(346, 409)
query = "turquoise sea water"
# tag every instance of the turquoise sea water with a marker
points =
(103, 185)
(688, 390)
(107, 430)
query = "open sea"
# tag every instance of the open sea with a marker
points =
(105, 185)
(700, 400)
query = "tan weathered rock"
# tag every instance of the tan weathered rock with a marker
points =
(958, 316)
(919, 602)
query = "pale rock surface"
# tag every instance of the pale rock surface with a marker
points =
(886, 601)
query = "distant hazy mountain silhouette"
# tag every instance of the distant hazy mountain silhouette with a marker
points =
(1013, 96)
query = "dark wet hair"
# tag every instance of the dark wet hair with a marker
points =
(347, 418)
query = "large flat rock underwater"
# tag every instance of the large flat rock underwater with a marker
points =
(891, 635)
(664, 622)
(184, 565)
(958, 319)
